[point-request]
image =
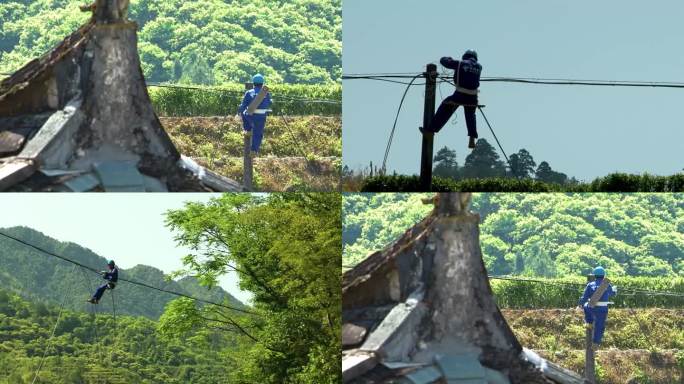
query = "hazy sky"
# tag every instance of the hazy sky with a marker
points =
(583, 131)
(128, 228)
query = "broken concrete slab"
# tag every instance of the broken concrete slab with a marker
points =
(15, 172)
(425, 375)
(460, 366)
(83, 183)
(120, 176)
(53, 146)
(396, 337)
(357, 364)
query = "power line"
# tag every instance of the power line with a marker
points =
(123, 279)
(532, 80)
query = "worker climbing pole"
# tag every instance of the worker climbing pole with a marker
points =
(594, 303)
(253, 112)
(467, 81)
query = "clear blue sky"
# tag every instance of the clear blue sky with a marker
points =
(583, 131)
(126, 227)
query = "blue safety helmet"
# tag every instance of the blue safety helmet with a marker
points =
(110, 262)
(470, 54)
(599, 272)
(258, 79)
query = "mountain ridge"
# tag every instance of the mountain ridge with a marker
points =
(48, 278)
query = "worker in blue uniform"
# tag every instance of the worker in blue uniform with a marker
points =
(595, 317)
(112, 276)
(467, 80)
(254, 124)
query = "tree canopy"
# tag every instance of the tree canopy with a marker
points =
(551, 235)
(286, 249)
(200, 41)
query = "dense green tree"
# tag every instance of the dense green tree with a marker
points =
(483, 162)
(546, 174)
(286, 249)
(290, 41)
(552, 235)
(522, 164)
(445, 164)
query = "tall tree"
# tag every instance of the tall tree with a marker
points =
(522, 164)
(445, 164)
(286, 250)
(546, 174)
(483, 162)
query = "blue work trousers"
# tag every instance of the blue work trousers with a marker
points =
(449, 106)
(596, 316)
(100, 290)
(255, 124)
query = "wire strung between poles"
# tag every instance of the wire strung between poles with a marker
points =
(394, 126)
(122, 279)
(54, 329)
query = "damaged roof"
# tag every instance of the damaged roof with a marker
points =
(79, 118)
(422, 311)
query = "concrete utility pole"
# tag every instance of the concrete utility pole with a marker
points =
(248, 167)
(428, 137)
(589, 369)
(589, 373)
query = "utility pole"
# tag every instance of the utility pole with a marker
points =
(589, 368)
(247, 168)
(428, 137)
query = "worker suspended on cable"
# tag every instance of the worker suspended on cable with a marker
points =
(112, 276)
(254, 123)
(595, 317)
(467, 79)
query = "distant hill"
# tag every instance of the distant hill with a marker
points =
(40, 277)
(199, 41)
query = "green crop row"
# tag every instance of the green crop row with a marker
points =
(616, 182)
(288, 99)
(565, 292)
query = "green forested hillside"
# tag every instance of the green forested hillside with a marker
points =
(552, 235)
(199, 41)
(41, 277)
(88, 349)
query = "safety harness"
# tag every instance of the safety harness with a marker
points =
(594, 299)
(467, 91)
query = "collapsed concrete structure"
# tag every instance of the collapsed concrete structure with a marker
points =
(422, 311)
(80, 119)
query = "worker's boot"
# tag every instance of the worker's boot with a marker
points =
(595, 346)
(92, 301)
(471, 142)
(247, 133)
(589, 326)
(254, 154)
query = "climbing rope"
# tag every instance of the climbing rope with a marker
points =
(54, 329)
(93, 311)
(111, 294)
(496, 138)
